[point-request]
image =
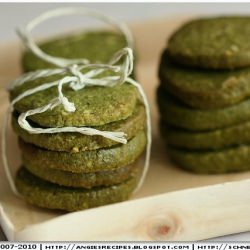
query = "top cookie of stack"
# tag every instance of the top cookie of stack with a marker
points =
(97, 46)
(215, 43)
(204, 94)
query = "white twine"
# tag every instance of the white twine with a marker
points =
(63, 62)
(71, 71)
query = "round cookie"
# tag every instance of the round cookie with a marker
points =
(48, 195)
(97, 46)
(177, 114)
(95, 106)
(214, 43)
(76, 142)
(84, 180)
(205, 89)
(207, 140)
(234, 159)
(86, 161)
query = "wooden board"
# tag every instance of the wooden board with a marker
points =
(172, 204)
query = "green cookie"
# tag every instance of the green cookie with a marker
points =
(216, 43)
(88, 180)
(205, 89)
(95, 106)
(96, 46)
(86, 161)
(177, 114)
(76, 142)
(213, 162)
(47, 195)
(208, 140)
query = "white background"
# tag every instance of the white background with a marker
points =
(13, 15)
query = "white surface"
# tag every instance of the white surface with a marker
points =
(13, 15)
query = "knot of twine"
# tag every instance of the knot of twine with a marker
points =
(73, 76)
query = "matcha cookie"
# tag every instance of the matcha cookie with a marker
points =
(214, 139)
(86, 161)
(177, 114)
(95, 106)
(213, 162)
(214, 43)
(76, 142)
(205, 89)
(96, 46)
(84, 180)
(48, 195)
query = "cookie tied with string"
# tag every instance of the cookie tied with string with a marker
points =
(76, 142)
(95, 106)
(79, 45)
(83, 121)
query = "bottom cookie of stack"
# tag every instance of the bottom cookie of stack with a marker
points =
(49, 195)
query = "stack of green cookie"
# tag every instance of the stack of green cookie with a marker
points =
(204, 95)
(72, 171)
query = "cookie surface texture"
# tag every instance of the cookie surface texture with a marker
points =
(96, 46)
(47, 195)
(205, 89)
(86, 161)
(214, 43)
(76, 142)
(234, 159)
(84, 180)
(177, 114)
(95, 106)
(206, 140)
